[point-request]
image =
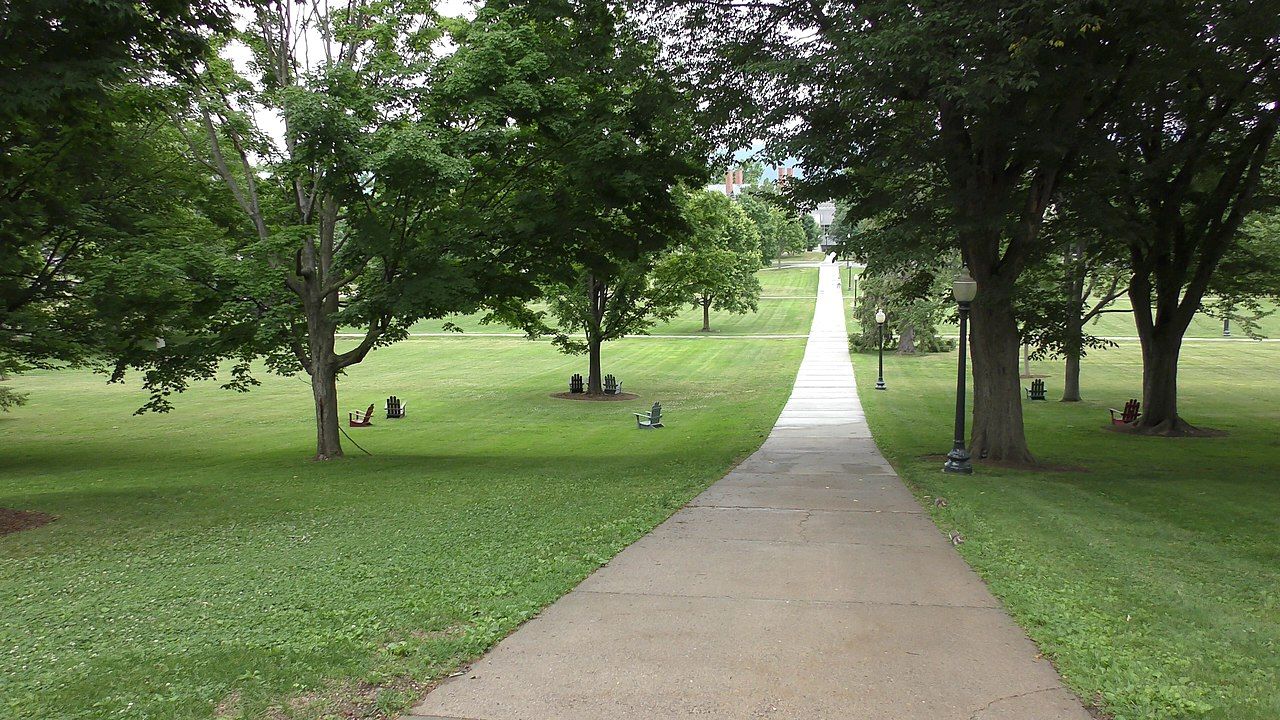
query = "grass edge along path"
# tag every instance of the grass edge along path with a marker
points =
(1147, 568)
(202, 567)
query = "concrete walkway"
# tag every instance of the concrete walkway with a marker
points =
(807, 584)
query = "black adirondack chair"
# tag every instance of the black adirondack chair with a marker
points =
(611, 385)
(396, 408)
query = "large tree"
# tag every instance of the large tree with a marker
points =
(609, 196)
(1187, 150)
(714, 266)
(113, 250)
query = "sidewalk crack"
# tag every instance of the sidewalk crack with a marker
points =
(982, 710)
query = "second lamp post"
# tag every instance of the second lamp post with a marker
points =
(965, 289)
(880, 321)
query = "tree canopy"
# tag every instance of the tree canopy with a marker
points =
(106, 240)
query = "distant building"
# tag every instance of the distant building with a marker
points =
(733, 184)
(825, 214)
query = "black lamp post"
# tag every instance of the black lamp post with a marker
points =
(1226, 327)
(880, 321)
(965, 289)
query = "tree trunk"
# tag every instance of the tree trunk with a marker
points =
(706, 315)
(994, 340)
(315, 262)
(1160, 353)
(997, 394)
(1071, 379)
(596, 384)
(907, 339)
(1160, 333)
(1074, 347)
(323, 369)
(598, 294)
(1074, 341)
(324, 388)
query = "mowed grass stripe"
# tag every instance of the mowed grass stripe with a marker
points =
(786, 310)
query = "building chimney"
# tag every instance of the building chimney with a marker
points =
(728, 183)
(738, 177)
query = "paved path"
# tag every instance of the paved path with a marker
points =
(807, 584)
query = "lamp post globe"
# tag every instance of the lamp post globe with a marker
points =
(964, 289)
(880, 318)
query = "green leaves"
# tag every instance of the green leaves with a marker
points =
(714, 265)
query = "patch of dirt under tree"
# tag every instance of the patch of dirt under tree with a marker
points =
(12, 520)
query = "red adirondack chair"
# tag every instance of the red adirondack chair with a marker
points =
(1128, 416)
(360, 419)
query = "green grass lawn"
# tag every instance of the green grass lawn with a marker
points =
(1151, 575)
(786, 308)
(1202, 326)
(1121, 324)
(808, 256)
(775, 316)
(203, 564)
(789, 282)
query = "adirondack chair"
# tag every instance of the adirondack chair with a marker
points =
(651, 420)
(1036, 391)
(361, 419)
(396, 408)
(575, 384)
(611, 385)
(1129, 415)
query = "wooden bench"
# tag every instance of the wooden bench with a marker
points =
(1036, 391)
(396, 408)
(575, 384)
(360, 419)
(651, 420)
(1129, 415)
